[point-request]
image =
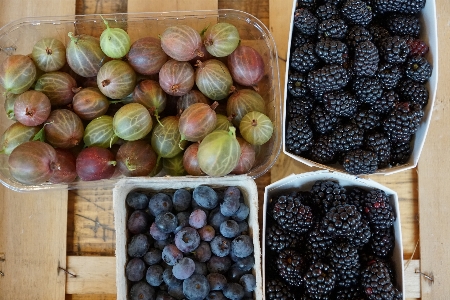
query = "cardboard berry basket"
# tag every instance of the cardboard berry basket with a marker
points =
(429, 35)
(19, 37)
(304, 182)
(168, 185)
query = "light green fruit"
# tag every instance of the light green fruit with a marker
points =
(99, 132)
(114, 42)
(132, 122)
(256, 128)
(221, 39)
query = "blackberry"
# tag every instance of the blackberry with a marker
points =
(278, 290)
(357, 34)
(389, 75)
(378, 143)
(367, 89)
(355, 196)
(394, 49)
(362, 235)
(332, 51)
(340, 221)
(382, 242)
(317, 244)
(417, 47)
(327, 194)
(333, 28)
(386, 103)
(401, 6)
(340, 103)
(349, 293)
(401, 24)
(323, 122)
(296, 84)
(328, 78)
(322, 151)
(310, 4)
(360, 161)
(292, 215)
(378, 33)
(347, 137)
(403, 122)
(367, 119)
(327, 11)
(277, 239)
(418, 69)
(304, 58)
(305, 21)
(299, 39)
(376, 281)
(344, 259)
(366, 59)
(379, 210)
(290, 267)
(413, 92)
(400, 153)
(299, 135)
(320, 280)
(299, 106)
(357, 12)
(398, 295)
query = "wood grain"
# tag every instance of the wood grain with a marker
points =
(433, 180)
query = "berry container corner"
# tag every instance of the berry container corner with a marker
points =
(429, 35)
(305, 181)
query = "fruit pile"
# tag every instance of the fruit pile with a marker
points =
(101, 107)
(330, 242)
(356, 82)
(189, 244)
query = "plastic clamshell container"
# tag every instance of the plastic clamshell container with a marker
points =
(304, 182)
(19, 37)
(429, 35)
(168, 185)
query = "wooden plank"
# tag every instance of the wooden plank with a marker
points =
(434, 188)
(91, 297)
(94, 275)
(170, 5)
(412, 279)
(32, 226)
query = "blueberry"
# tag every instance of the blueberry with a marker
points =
(187, 239)
(183, 220)
(245, 263)
(205, 197)
(184, 268)
(207, 233)
(171, 254)
(235, 273)
(242, 246)
(159, 203)
(197, 218)
(230, 203)
(142, 291)
(216, 281)
(168, 277)
(176, 291)
(242, 213)
(138, 245)
(200, 268)
(163, 295)
(196, 287)
(137, 200)
(248, 282)
(181, 200)
(154, 275)
(233, 291)
(229, 229)
(153, 256)
(243, 227)
(167, 222)
(216, 218)
(138, 222)
(157, 234)
(216, 295)
(135, 269)
(217, 264)
(162, 243)
(203, 252)
(220, 246)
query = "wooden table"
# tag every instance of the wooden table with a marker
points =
(44, 231)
